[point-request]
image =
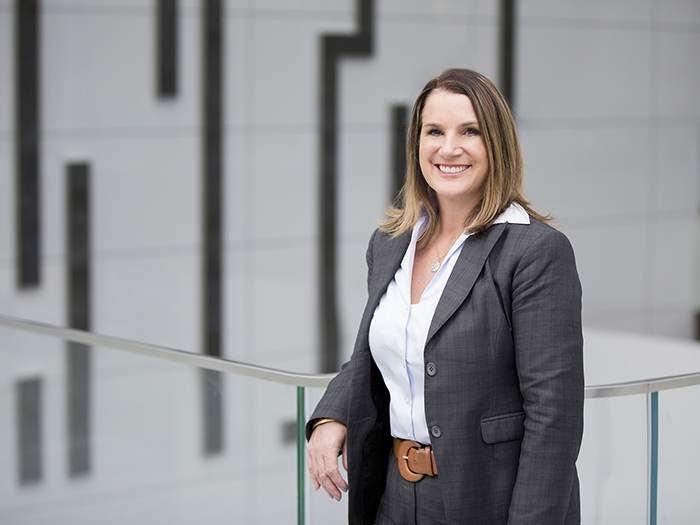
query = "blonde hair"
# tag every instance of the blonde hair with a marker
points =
(504, 180)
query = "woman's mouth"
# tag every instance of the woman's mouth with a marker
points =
(451, 170)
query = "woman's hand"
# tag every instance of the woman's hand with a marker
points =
(327, 442)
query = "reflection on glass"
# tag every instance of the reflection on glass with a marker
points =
(612, 464)
(147, 441)
(679, 455)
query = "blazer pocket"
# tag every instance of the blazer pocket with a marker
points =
(506, 427)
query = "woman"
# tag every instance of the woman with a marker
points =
(463, 399)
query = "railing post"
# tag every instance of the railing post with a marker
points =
(653, 455)
(301, 456)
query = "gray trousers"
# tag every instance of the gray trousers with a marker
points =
(408, 503)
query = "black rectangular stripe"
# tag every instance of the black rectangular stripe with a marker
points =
(78, 246)
(29, 430)
(27, 115)
(399, 131)
(507, 50)
(328, 308)
(212, 235)
(212, 177)
(78, 355)
(167, 48)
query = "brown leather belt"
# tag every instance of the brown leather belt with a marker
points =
(415, 460)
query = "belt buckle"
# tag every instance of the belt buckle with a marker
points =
(402, 458)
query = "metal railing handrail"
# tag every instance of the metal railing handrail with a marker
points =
(642, 386)
(179, 356)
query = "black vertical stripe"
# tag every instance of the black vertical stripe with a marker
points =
(507, 50)
(27, 115)
(78, 246)
(333, 48)
(78, 355)
(212, 176)
(399, 132)
(29, 430)
(213, 74)
(167, 47)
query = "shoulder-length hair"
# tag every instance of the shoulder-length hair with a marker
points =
(504, 179)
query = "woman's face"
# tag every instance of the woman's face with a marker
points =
(452, 154)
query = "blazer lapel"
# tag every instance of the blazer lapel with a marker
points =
(471, 260)
(386, 259)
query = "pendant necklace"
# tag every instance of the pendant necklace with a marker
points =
(436, 265)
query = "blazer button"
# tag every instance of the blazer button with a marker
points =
(435, 431)
(431, 369)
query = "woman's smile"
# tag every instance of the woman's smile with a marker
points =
(450, 170)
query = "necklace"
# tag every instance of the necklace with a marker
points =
(436, 265)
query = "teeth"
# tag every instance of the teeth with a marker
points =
(452, 169)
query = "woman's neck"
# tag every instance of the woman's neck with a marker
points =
(452, 221)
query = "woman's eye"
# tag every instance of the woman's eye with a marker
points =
(472, 132)
(433, 132)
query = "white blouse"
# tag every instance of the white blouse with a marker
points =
(399, 330)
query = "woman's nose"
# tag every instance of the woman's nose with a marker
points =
(451, 147)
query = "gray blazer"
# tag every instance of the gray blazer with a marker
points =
(504, 405)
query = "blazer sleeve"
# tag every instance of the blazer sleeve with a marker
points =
(548, 342)
(335, 401)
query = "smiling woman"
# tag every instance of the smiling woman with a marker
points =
(463, 400)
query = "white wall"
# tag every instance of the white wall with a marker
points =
(606, 105)
(610, 121)
(606, 102)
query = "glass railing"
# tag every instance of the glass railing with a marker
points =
(100, 430)
(96, 429)
(639, 461)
